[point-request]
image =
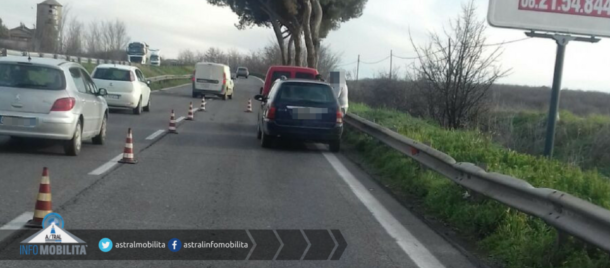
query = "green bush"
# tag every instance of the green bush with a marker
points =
(580, 141)
(507, 235)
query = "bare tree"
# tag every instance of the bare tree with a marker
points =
(93, 39)
(121, 39)
(328, 60)
(73, 38)
(4, 33)
(456, 70)
(114, 39)
(186, 57)
(63, 23)
(215, 55)
(234, 58)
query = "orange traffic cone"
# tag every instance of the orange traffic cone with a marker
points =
(202, 104)
(249, 108)
(43, 202)
(128, 151)
(172, 124)
(191, 116)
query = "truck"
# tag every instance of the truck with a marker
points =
(138, 52)
(155, 57)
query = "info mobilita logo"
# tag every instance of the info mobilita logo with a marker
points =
(53, 240)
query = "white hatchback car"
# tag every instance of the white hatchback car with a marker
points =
(51, 99)
(126, 87)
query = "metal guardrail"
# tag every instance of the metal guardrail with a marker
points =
(563, 211)
(168, 77)
(6, 52)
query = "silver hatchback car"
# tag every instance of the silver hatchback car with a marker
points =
(51, 99)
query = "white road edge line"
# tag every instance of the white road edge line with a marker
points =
(107, 166)
(18, 222)
(420, 255)
(155, 135)
(180, 119)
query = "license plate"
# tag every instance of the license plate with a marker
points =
(116, 97)
(17, 121)
(301, 113)
(205, 86)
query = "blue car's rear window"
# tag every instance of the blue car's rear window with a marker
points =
(305, 92)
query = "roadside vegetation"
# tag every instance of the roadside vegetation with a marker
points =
(506, 235)
(449, 100)
(516, 118)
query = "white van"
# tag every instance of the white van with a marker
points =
(212, 79)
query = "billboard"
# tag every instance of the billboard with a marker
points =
(579, 17)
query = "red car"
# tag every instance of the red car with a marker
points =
(294, 72)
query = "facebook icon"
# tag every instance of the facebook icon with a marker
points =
(174, 245)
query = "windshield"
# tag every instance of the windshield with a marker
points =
(29, 76)
(136, 48)
(154, 58)
(112, 74)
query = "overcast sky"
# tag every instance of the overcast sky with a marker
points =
(193, 24)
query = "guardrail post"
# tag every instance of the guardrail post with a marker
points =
(4, 52)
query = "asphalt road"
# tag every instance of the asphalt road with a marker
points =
(215, 175)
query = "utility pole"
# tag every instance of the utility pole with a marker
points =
(358, 72)
(391, 58)
(358, 68)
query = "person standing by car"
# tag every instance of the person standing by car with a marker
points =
(339, 85)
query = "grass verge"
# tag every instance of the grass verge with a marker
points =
(508, 236)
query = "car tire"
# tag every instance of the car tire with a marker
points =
(147, 107)
(138, 109)
(100, 139)
(231, 96)
(266, 140)
(335, 146)
(224, 97)
(259, 134)
(195, 95)
(73, 146)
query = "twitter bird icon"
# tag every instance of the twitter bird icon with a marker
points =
(105, 244)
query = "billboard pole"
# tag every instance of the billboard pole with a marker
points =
(562, 42)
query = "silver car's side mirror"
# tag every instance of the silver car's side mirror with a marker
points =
(102, 92)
